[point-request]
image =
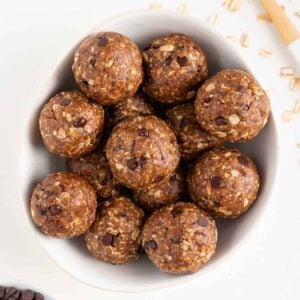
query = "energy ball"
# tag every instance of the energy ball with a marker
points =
(70, 125)
(63, 205)
(142, 152)
(174, 67)
(167, 192)
(115, 235)
(224, 182)
(131, 108)
(192, 139)
(108, 67)
(232, 106)
(94, 168)
(179, 238)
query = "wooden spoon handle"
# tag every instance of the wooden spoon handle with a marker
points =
(285, 27)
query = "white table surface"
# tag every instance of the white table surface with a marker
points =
(34, 35)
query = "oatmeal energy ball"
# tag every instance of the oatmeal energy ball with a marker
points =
(232, 106)
(174, 67)
(108, 67)
(70, 125)
(131, 108)
(192, 139)
(142, 152)
(224, 182)
(94, 168)
(63, 205)
(115, 235)
(167, 192)
(179, 238)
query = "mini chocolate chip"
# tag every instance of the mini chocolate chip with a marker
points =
(182, 61)
(173, 177)
(245, 107)
(158, 178)
(202, 221)
(9, 291)
(143, 132)
(132, 164)
(176, 211)
(241, 88)
(79, 122)
(216, 181)
(93, 62)
(107, 239)
(152, 244)
(85, 82)
(27, 295)
(2, 291)
(168, 61)
(176, 239)
(42, 211)
(184, 123)
(48, 193)
(123, 215)
(104, 181)
(103, 41)
(142, 161)
(243, 160)
(220, 121)
(55, 209)
(38, 296)
(65, 102)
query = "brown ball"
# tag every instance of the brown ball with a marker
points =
(174, 67)
(142, 152)
(179, 238)
(115, 235)
(165, 193)
(224, 182)
(63, 205)
(232, 106)
(70, 125)
(108, 67)
(94, 168)
(192, 139)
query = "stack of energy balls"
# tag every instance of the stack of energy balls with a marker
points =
(145, 165)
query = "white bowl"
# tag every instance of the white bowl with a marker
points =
(71, 255)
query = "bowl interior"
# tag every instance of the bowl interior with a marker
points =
(37, 162)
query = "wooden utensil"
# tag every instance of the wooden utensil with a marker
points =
(288, 32)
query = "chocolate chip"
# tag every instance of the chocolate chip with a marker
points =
(132, 164)
(152, 244)
(184, 123)
(123, 215)
(55, 209)
(142, 161)
(9, 291)
(220, 121)
(143, 132)
(42, 211)
(245, 107)
(85, 82)
(216, 181)
(27, 295)
(168, 61)
(48, 193)
(241, 88)
(38, 296)
(104, 181)
(173, 177)
(202, 221)
(176, 211)
(65, 102)
(103, 41)
(2, 291)
(182, 61)
(62, 188)
(93, 62)
(107, 239)
(243, 160)
(158, 178)
(176, 239)
(79, 122)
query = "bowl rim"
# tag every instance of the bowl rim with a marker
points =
(28, 115)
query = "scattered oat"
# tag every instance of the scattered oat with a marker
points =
(297, 13)
(155, 5)
(287, 72)
(182, 8)
(264, 17)
(287, 116)
(245, 40)
(266, 53)
(231, 38)
(233, 5)
(297, 106)
(295, 84)
(213, 20)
